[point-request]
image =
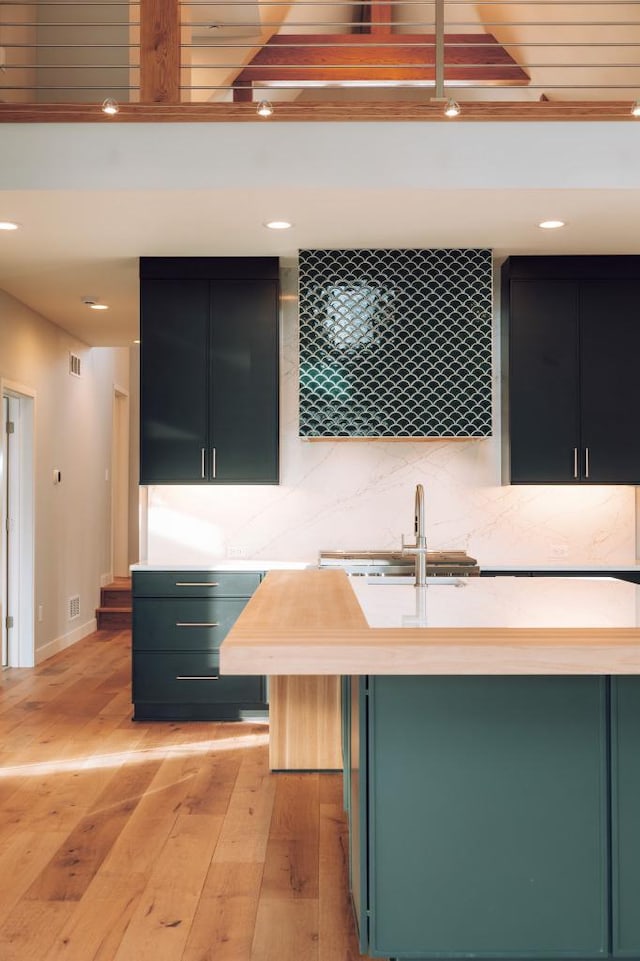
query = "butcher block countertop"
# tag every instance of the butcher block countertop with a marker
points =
(323, 622)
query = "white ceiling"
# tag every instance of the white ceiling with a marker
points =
(91, 199)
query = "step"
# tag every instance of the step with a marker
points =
(116, 594)
(113, 618)
(115, 598)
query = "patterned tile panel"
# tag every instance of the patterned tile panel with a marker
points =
(395, 343)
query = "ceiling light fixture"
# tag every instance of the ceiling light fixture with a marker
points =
(8, 225)
(265, 109)
(278, 224)
(452, 108)
(635, 110)
(551, 224)
(94, 303)
(110, 106)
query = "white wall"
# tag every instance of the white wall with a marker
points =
(134, 454)
(73, 434)
(360, 495)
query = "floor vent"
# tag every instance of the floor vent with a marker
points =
(74, 607)
(75, 365)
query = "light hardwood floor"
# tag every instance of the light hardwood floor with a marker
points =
(124, 841)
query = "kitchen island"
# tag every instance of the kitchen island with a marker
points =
(491, 738)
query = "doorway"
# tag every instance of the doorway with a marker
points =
(120, 484)
(17, 551)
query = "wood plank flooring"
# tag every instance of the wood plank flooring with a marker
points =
(124, 841)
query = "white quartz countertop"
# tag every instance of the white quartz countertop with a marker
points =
(229, 565)
(260, 564)
(561, 568)
(503, 602)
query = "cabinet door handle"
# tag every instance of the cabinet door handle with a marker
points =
(197, 584)
(575, 462)
(197, 624)
(586, 462)
(197, 677)
(203, 463)
(213, 462)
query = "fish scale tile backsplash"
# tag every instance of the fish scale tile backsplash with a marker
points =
(395, 343)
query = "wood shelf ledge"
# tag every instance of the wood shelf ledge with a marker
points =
(399, 111)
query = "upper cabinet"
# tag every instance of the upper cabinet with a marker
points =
(571, 329)
(395, 343)
(209, 370)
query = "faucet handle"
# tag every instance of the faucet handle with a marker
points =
(407, 548)
(412, 548)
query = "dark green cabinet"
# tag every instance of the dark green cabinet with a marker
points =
(506, 826)
(625, 810)
(571, 330)
(209, 371)
(179, 621)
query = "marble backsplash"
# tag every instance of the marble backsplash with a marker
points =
(359, 494)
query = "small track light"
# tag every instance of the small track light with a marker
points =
(110, 106)
(265, 109)
(452, 108)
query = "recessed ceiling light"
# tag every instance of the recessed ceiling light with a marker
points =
(8, 225)
(278, 224)
(551, 224)
(93, 302)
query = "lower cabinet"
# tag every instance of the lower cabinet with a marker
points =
(179, 621)
(625, 815)
(495, 817)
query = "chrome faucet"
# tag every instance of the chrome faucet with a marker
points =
(420, 546)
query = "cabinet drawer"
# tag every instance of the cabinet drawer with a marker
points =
(190, 677)
(194, 583)
(183, 623)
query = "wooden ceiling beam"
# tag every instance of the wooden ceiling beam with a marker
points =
(380, 16)
(159, 51)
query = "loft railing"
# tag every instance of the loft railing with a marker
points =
(65, 51)
(308, 59)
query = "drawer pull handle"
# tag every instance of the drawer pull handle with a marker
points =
(197, 584)
(197, 623)
(197, 677)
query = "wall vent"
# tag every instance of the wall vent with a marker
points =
(75, 365)
(74, 607)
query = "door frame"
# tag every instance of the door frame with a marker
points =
(20, 565)
(120, 482)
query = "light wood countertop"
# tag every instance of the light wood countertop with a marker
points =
(322, 622)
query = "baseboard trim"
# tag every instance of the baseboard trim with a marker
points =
(106, 579)
(65, 640)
